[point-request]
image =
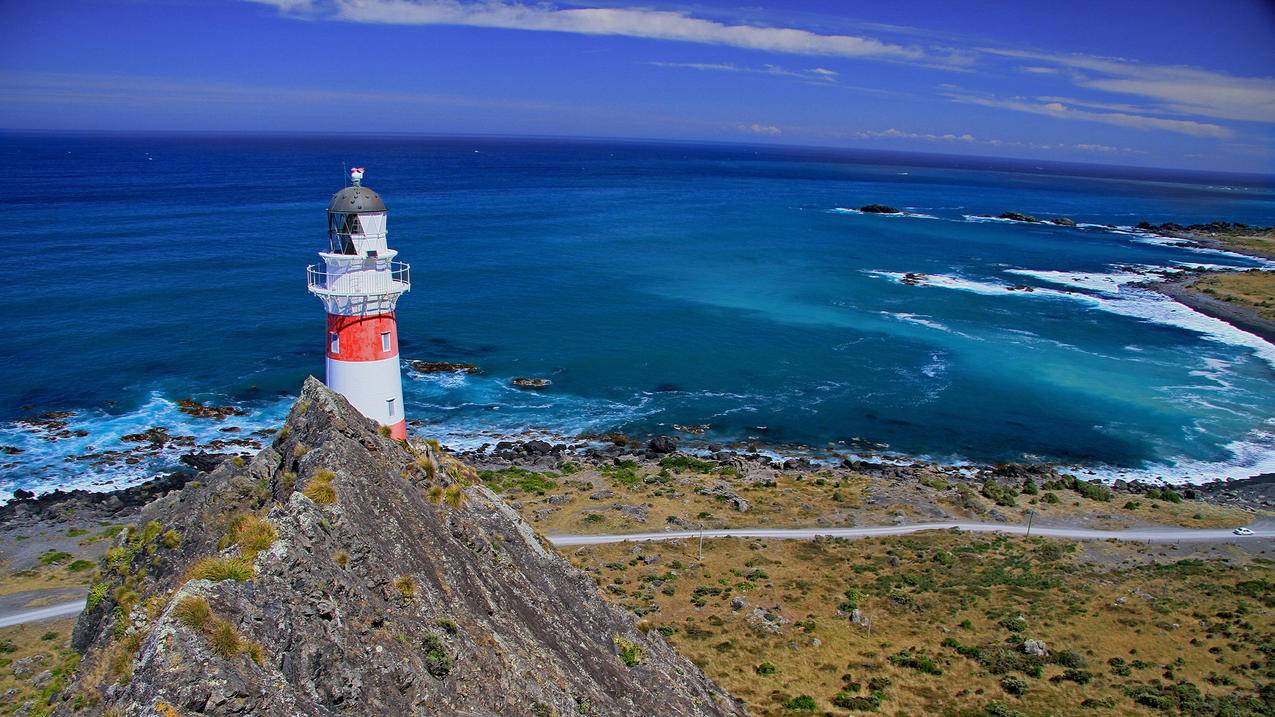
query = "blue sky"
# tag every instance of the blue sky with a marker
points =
(1155, 83)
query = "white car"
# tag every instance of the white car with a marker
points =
(1242, 531)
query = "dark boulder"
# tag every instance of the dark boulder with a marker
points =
(1018, 217)
(878, 209)
(443, 367)
(662, 445)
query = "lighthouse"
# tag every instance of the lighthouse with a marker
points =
(359, 283)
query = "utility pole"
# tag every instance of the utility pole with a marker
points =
(1030, 514)
(700, 557)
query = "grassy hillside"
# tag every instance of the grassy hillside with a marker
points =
(943, 618)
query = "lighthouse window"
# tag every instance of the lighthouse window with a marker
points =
(389, 407)
(385, 341)
(334, 343)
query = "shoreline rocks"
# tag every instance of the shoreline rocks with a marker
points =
(533, 383)
(878, 209)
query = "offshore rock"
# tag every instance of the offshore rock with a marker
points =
(444, 367)
(399, 592)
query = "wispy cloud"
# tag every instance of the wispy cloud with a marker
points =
(968, 138)
(1059, 110)
(1178, 89)
(813, 74)
(768, 130)
(635, 22)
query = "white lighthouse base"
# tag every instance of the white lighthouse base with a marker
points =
(375, 388)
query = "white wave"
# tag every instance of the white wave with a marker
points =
(986, 288)
(1108, 283)
(1250, 457)
(918, 320)
(1118, 299)
(46, 464)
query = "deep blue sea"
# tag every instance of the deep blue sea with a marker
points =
(655, 284)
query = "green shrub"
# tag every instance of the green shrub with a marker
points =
(1092, 491)
(52, 557)
(97, 594)
(1002, 494)
(437, 661)
(766, 668)
(513, 477)
(920, 663)
(1014, 685)
(630, 653)
(856, 703)
(625, 472)
(80, 566)
(680, 462)
(1051, 498)
(1080, 677)
(801, 703)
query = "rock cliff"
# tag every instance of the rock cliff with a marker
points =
(342, 573)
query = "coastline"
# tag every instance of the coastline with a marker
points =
(1241, 317)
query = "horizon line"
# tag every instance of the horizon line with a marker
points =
(1057, 163)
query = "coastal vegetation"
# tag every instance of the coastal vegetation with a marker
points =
(684, 492)
(1254, 289)
(953, 623)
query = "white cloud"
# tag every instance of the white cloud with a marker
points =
(768, 130)
(1180, 89)
(1058, 110)
(817, 73)
(627, 22)
(897, 134)
(968, 138)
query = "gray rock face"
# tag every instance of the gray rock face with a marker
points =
(394, 599)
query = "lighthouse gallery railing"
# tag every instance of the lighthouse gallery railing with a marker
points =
(363, 282)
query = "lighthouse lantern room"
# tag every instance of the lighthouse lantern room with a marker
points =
(359, 283)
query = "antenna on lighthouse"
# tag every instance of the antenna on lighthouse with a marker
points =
(356, 176)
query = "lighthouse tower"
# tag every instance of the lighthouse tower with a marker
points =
(359, 283)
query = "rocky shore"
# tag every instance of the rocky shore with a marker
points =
(1253, 494)
(1241, 317)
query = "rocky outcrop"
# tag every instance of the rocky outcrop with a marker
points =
(444, 367)
(878, 209)
(525, 382)
(340, 572)
(1018, 217)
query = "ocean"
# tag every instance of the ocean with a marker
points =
(729, 289)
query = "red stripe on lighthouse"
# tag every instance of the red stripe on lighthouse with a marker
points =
(361, 338)
(398, 431)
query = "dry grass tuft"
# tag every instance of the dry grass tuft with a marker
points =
(251, 533)
(406, 586)
(320, 489)
(219, 568)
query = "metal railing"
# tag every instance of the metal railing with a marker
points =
(391, 280)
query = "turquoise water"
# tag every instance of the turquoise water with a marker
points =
(656, 285)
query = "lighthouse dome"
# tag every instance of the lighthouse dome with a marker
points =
(356, 199)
